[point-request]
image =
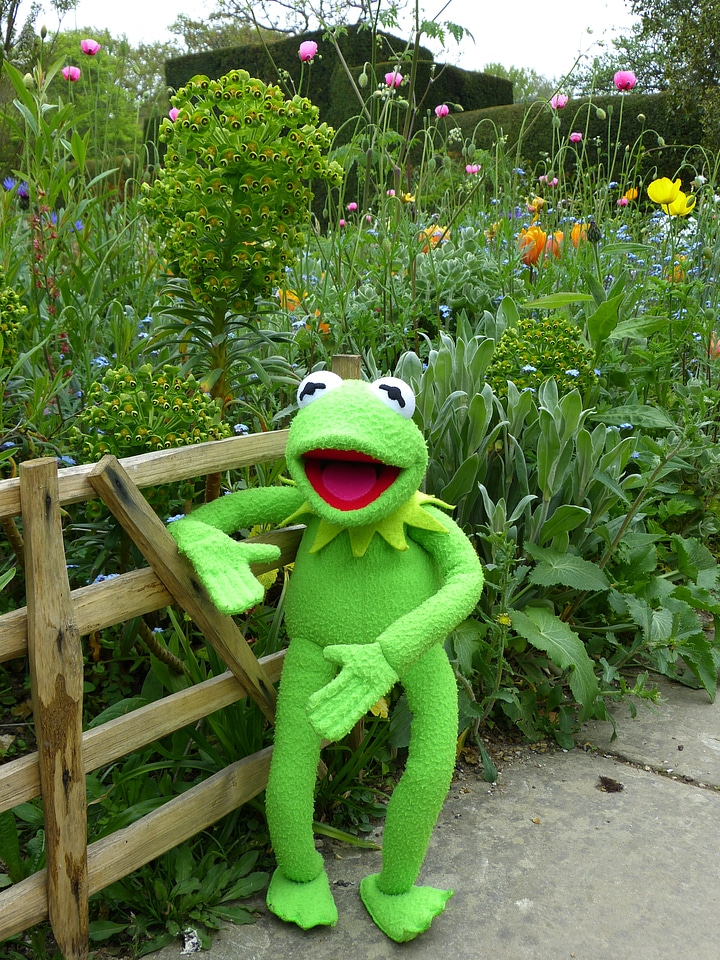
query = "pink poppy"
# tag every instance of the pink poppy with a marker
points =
(89, 47)
(442, 110)
(71, 73)
(174, 113)
(472, 168)
(625, 79)
(352, 206)
(575, 137)
(558, 101)
(307, 51)
(393, 79)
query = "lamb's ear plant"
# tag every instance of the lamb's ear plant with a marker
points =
(576, 583)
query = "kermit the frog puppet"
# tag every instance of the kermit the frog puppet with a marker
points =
(381, 577)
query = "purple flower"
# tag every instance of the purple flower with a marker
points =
(89, 47)
(625, 79)
(307, 51)
(558, 101)
(71, 73)
(23, 192)
(442, 110)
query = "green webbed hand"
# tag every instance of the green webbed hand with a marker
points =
(223, 564)
(365, 676)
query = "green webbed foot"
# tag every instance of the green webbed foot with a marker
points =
(308, 904)
(404, 915)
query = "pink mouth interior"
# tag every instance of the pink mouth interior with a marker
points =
(347, 479)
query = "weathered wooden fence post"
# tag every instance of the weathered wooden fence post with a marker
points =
(56, 669)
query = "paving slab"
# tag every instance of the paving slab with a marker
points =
(547, 864)
(680, 736)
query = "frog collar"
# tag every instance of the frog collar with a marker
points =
(390, 528)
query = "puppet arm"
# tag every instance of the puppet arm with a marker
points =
(368, 671)
(221, 563)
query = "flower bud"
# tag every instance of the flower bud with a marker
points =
(28, 81)
(661, 141)
(600, 113)
(363, 78)
(641, 118)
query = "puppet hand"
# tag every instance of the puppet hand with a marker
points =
(223, 564)
(365, 676)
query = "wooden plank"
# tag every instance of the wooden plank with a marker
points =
(56, 671)
(132, 594)
(20, 779)
(162, 466)
(114, 857)
(148, 532)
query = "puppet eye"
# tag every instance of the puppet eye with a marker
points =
(316, 385)
(395, 394)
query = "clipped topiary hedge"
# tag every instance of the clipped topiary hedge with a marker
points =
(329, 87)
(645, 119)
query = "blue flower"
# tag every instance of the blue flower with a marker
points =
(444, 311)
(572, 372)
(241, 429)
(178, 516)
(22, 191)
(67, 460)
(102, 577)
(9, 183)
(100, 361)
(528, 368)
(625, 426)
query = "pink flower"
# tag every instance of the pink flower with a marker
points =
(352, 206)
(623, 202)
(550, 181)
(342, 223)
(389, 193)
(442, 110)
(394, 79)
(575, 137)
(558, 101)
(472, 168)
(71, 73)
(307, 51)
(89, 47)
(625, 79)
(174, 113)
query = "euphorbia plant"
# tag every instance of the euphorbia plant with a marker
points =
(229, 208)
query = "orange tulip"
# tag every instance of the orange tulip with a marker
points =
(531, 244)
(553, 243)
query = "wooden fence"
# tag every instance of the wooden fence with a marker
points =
(49, 631)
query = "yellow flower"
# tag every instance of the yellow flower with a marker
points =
(682, 205)
(407, 197)
(531, 245)
(578, 234)
(631, 194)
(503, 619)
(288, 299)
(664, 191)
(433, 236)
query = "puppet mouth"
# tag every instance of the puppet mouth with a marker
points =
(347, 479)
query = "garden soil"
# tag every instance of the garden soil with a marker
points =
(610, 850)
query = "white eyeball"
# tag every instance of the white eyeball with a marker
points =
(396, 394)
(316, 385)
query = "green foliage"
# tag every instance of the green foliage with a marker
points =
(12, 314)
(230, 203)
(130, 412)
(532, 351)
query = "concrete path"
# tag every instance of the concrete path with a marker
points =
(552, 863)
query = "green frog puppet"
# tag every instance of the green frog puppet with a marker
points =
(381, 577)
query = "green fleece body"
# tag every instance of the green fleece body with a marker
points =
(358, 624)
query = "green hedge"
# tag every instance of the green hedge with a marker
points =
(645, 118)
(330, 89)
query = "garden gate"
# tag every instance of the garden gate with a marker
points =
(49, 631)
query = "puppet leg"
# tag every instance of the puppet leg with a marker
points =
(299, 890)
(402, 910)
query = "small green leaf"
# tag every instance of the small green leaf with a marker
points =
(547, 632)
(555, 300)
(104, 929)
(602, 323)
(567, 517)
(638, 327)
(566, 570)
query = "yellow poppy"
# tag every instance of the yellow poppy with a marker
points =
(578, 234)
(664, 191)
(681, 206)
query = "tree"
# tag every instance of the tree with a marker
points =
(527, 83)
(218, 31)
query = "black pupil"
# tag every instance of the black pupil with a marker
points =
(310, 388)
(394, 394)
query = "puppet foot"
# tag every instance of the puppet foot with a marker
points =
(403, 916)
(308, 904)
